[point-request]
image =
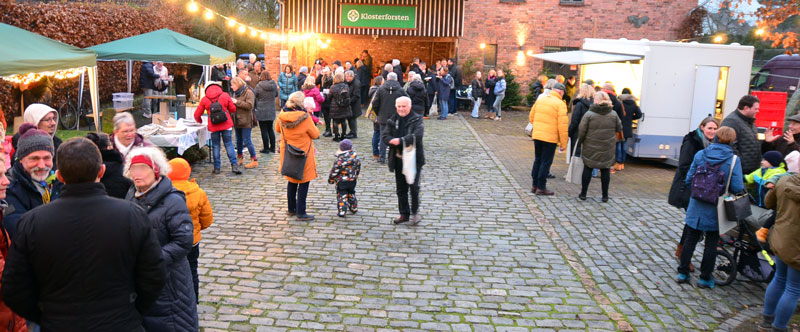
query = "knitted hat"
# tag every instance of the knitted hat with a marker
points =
(303, 69)
(32, 139)
(337, 62)
(345, 145)
(795, 118)
(180, 169)
(559, 86)
(589, 82)
(142, 159)
(775, 158)
(34, 113)
(793, 162)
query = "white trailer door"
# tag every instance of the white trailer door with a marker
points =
(705, 94)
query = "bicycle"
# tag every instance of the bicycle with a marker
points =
(70, 114)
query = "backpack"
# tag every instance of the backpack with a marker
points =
(216, 114)
(708, 183)
(344, 98)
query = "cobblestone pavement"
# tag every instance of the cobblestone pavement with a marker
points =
(478, 261)
(488, 255)
(626, 244)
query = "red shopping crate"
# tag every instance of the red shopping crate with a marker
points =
(772, 109)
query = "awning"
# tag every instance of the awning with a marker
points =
(585, 57)
(23, 52)
(163, 45)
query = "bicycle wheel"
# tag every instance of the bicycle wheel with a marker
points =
(68, 116)
(725, 270)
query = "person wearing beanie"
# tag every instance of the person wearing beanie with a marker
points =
(85, 262)
(344, 175)
(169, 216)
(199, 209)
(771, 165)
(42, 117)
(33, 181)
(302, 75)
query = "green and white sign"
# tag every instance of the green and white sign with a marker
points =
(373, 16)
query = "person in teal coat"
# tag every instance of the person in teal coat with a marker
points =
(701, 217)
(287, 83)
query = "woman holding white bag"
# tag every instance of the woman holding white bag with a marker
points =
(401, 130)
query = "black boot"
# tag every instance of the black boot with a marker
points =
(327, 133)
(766, 323)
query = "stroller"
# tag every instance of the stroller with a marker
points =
(739, 251)
(464, 97)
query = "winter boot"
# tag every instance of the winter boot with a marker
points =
(240, 158)
(492, 116)
(253, 164)
(766, 323)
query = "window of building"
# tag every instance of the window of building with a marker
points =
(490, 55)
(512, 1)
(571, 2)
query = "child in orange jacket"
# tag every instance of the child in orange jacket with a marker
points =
(199, 209)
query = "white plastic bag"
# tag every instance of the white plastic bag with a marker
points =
(529, 129)
(434, 108)
(410, 162)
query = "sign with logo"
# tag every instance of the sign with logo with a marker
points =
(284, 57)
(376, 16)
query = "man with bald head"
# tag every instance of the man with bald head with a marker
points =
(403, 129)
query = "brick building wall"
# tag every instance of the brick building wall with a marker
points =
(537, 24)
(516, 29)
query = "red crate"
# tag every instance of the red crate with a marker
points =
(772, 109)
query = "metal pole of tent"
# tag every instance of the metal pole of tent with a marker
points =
(129, 67)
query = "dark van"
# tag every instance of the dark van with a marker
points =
(781, 73)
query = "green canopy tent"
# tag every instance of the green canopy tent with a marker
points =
(163, 45)
(23, 52)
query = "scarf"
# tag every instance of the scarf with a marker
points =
(705, 140)
(139, 195)
(123, 150)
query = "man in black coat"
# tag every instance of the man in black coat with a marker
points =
(86, 262)
(455, 71)
(147, 77)
(384, 107)
(431, 82)
(355, 102)
(401, 129)
(746, 146)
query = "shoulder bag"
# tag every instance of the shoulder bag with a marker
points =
(730, 207)
(294, 160)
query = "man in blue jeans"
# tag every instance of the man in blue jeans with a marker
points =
(549, 118)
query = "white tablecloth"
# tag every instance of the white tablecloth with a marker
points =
(193, 135)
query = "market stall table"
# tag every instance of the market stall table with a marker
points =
(183, 136)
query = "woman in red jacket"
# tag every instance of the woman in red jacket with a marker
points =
(222, 130)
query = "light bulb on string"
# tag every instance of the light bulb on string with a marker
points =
(231, 22)
(208, 14)
(193, 8)
(242, 29)
(253, 33)
(263, 36)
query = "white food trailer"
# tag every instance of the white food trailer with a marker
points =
(678, 84)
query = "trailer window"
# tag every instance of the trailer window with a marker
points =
(722, 89)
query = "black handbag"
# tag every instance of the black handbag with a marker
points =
(294, 160)
(737, 207)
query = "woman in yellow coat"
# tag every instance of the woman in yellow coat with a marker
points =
(297, 129)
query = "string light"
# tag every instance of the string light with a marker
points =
(34, 77)
(209, 14)
(193, 7)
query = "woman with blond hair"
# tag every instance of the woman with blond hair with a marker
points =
(297, 129)
(580, 105)
(597, 134)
